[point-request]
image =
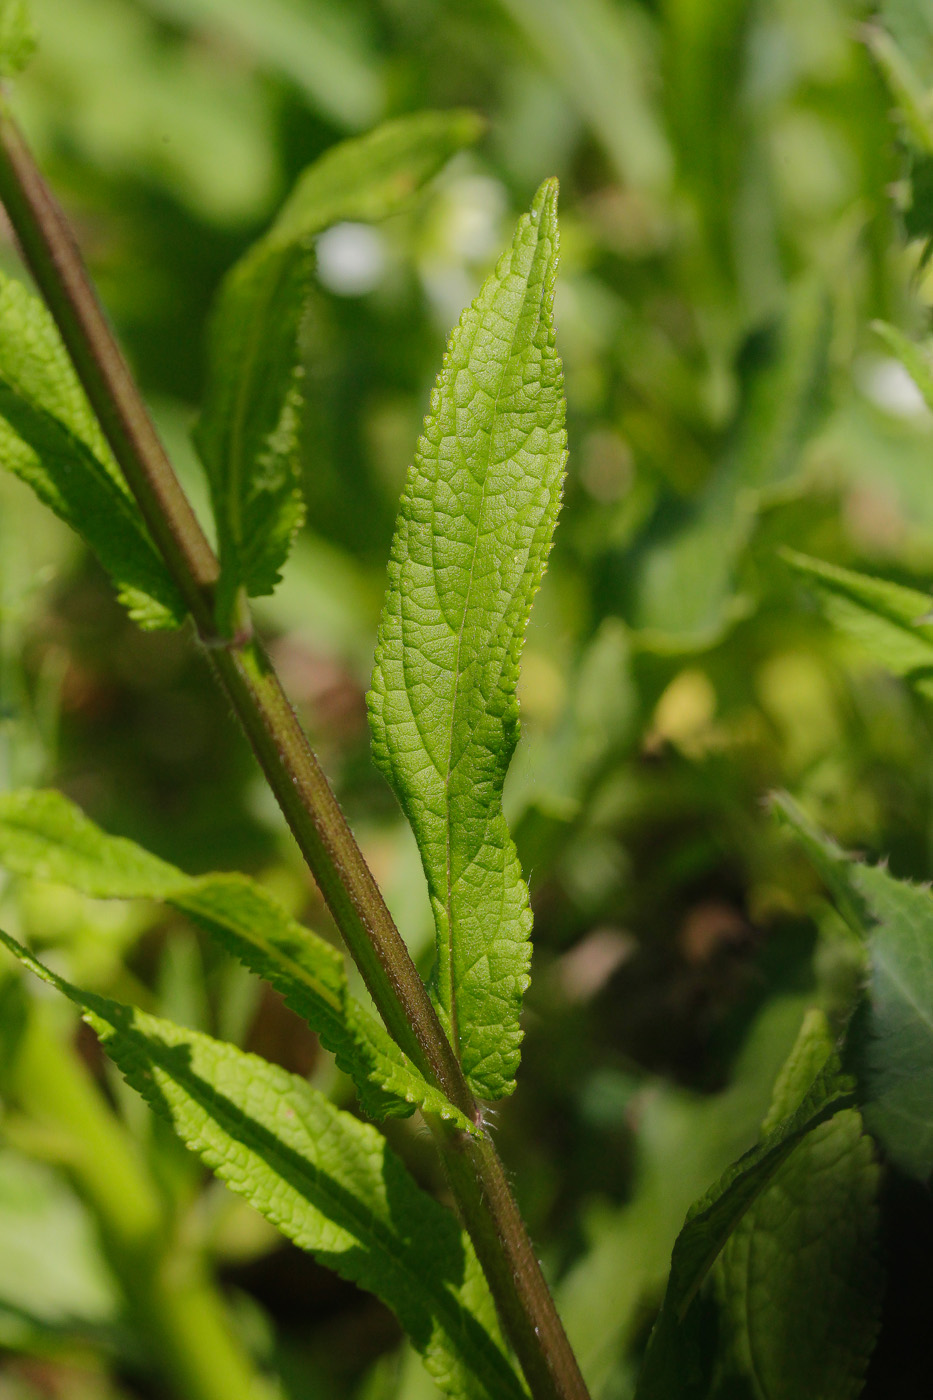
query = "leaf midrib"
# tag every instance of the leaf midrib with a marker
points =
(448, 830)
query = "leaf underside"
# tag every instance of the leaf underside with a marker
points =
(472, 537)
(891, 1037)
(326, 1180)
(44, 836)
(50, 439)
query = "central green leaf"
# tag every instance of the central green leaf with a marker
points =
(471, 541)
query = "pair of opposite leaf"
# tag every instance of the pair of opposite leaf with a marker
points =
(473, 533)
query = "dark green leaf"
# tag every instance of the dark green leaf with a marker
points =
(712, 1220)
(799, 1279)
(891, 1038)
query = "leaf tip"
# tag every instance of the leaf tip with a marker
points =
(544, 204)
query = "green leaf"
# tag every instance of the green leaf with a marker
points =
(50, 439)
(601, 52)
(370, 177)
(891, 1037)
(44, 836)
(326, 1180)
(248, 435)
(710, 1222)
(323, 49)
(471, 541)
(799, 1279)
(17, 36)
(912, 356)
(686, 580)
(890, 621)
(914, 105)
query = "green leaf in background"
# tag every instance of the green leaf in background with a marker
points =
(326, 1180)
(248, 433)
(372, 176)
(50, 439)
(685, 1140)
(914, 106)
(686, 591)
(799, 1279)
(891, 1037)
(603, 54)
(472, 538)
(711, 1221)
(54, 1275)
(888, 620)
(45, 837)
(913, 357)
(17, 36)
(321, 47)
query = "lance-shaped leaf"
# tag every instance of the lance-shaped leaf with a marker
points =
(670, 1364)
(326, 1180)
(50, 439)
(891, 1038)
(799, 1280)
(891, 622)
(471, 541)
(45, 836)
(248, 434)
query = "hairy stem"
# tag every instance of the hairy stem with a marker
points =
(300, 786)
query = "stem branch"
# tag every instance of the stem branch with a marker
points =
(475, 1172)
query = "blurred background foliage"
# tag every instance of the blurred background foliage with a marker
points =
(743, 193)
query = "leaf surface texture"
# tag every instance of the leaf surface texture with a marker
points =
(472, 537)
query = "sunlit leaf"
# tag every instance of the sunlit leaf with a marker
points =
(472, 537)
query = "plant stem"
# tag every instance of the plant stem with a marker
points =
(300, 786)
